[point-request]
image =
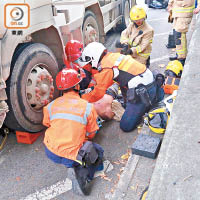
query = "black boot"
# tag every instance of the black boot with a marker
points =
(171, 41)
(182, 60)
(82, 176)
(80, 182)
(173, 58)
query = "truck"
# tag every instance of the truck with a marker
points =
(31, 56)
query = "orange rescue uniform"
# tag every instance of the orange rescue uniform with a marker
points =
(71, 121)
(104, 78)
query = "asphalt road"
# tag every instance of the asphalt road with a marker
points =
(26, 173)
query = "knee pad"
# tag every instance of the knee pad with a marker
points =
(177, 36)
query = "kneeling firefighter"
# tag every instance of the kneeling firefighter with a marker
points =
(104, 106)
(137, 83)
(71, 123)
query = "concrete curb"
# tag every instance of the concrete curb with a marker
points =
(125, 178)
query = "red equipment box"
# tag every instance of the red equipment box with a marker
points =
(171, 84)
(26, 138)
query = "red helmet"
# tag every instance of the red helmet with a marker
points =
(73, 50)
(69, 77)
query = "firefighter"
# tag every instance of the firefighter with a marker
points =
(182, 12)
(137, 83)
(137, 38)
(72, 122)
(106, 108)
(73, 51)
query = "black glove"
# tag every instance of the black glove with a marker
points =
(125, 48)
(129, 52)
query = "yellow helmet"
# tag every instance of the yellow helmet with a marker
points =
(137, 12)
(157, 119)
(174, 69)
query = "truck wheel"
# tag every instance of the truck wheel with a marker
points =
(91, 28)
(125, 19)
(30, 86)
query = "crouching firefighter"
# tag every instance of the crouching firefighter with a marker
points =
(71, 123)
(137, 83)
(136, 39)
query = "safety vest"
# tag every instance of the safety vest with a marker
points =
(128, 67)
(68, 124)
(183, 8)
(124, 63)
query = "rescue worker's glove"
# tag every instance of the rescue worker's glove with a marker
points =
(129, 52)
(170, 18)
(125, 48)
(160, 79)
(86, 91)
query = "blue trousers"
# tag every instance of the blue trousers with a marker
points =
(71, 163)
(135, 111)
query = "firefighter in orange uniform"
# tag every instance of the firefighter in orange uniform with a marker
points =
(73, 51)
(138, 85)
(71, 123)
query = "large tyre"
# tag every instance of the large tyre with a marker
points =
(30, 86)
(125, 19)
(91, 28)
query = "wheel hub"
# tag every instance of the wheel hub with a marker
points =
(39, 87)
(90, 34)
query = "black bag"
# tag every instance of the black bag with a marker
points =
(143, 95)
(88, 154)
(131, 95)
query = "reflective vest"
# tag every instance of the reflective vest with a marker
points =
(183, 8)
(69, 120)
(124, 63)
(128, 67)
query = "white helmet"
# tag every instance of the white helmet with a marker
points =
(92, 53)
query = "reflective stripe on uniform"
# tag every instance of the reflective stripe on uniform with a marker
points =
(49, 109)
(119, 60)
(87, 111)
(134, 44)
(82, 120)
(138, 49)
(184, 10)
(146, 55)
(182, 48)
(69, 117)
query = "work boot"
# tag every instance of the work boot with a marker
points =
(173, 58)
(82, 176)
(80, 182)
(182, 60)
(118, 110)
(171, 41)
